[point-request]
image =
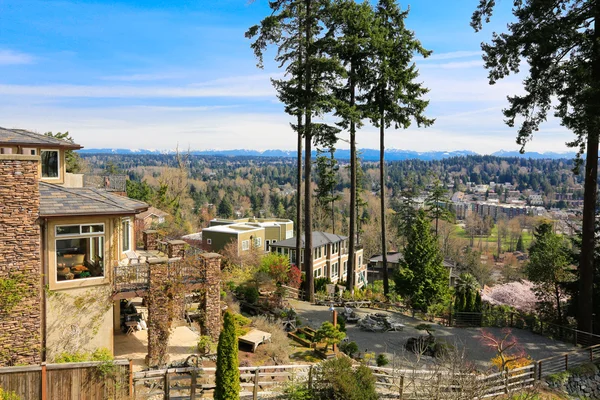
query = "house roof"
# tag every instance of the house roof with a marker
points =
(318, 239)
(392, 257)
(20, 137)
(60, 201)
(151, 211)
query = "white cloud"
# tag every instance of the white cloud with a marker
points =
(451, 55)
(142, 77)
(452, 65)
(11, 57)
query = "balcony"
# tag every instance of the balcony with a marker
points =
(134, 280)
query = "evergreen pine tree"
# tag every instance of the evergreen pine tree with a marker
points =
(227, 375)
(469, 301)
(422, 276)
(478, 302)
(520, 246)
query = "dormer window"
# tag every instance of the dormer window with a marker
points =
(50, 163)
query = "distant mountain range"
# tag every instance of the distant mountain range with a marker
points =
(341, 154)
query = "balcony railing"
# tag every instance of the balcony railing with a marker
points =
(136, 277)
(131, 278)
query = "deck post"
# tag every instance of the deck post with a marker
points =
(255, 391)
(193, 383)
(44, 381)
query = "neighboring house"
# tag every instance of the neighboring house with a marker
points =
(330, 256)
(245, 233)
(151, 217)
(64, 243)
(394, 260)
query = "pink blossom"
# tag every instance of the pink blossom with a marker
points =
(519, 295)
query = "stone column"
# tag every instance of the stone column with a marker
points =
(212, 299)
(176, 248)
(160, 314)
(150, 239)
(20, 321)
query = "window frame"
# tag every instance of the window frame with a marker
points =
(245, 245)
(81, 235)
(129, 235)
(58, 164)
(208, 241)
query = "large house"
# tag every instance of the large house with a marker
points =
(395, 260)
(330, 256)
(245, 233)
(61, 244)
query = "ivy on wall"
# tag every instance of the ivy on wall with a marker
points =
(12, 291)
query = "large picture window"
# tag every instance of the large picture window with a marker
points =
(79, 251)
(50, 163)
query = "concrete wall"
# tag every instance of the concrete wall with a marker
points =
(20, 325)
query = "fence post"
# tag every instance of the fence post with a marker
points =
(566, 362)
(401, 386)
(255, 391)
(310, 378)
(131, 379)
(505, 380)
(591, 354)
(539, 370)
(44, 380)
(575, 337)
(167, 385)
(193, 385)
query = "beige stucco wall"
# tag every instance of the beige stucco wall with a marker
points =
(79, 319)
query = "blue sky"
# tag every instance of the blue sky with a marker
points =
(157, 74)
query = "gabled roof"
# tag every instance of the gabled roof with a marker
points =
(60, 201)
(393, 257)
(318, 239)
(152, 211)
(20, 137)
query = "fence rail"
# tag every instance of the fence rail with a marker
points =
(72, 381)
(565, 361)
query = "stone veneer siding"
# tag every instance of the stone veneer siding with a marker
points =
(212, 298)
(20, 327)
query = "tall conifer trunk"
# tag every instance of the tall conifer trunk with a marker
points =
(351, 262)
(386, 284)
(586, 266)
(299, 161)
(308, 259)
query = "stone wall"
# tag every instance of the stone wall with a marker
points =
(586, 385)
(212, 299)
(20, 325)
(150, 240)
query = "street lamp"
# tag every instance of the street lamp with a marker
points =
(334, 315)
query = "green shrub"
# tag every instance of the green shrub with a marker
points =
(349, 348)
(227, 377)
(297, 391)
(584, 369)
(321, 284)
(340, 382)
(341, 323)
(382, 360)
(251, 294)
(206, 345)
(559, 378)
(4, 395)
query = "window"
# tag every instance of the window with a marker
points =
(359, 261)
(126, 234)
(334, 270)
(79, 251)
(301, 256)
(50, 163)
(245, 244)
(345, 271)
(257, 242)
(317, 273)
(208, 241)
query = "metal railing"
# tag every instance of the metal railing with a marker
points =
(131, 278)
(563, 362)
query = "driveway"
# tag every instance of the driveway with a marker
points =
(392, 343)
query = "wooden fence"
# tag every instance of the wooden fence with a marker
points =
(269, 381)
(70, 381)
(565, 361)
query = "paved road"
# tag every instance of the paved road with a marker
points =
(392, 343)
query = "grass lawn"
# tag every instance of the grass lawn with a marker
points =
(492, 240)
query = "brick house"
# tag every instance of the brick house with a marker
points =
(61, 244)
(330, 256)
